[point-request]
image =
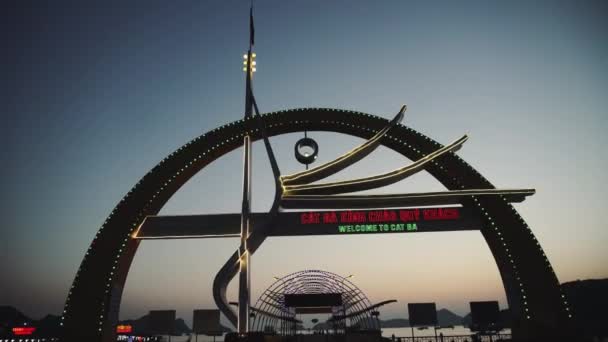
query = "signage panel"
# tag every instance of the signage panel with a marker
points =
(206, 322)
(376, 221)
(161, 321)
(313, 300)
(422, 314)
(344, 222)
(484, 315)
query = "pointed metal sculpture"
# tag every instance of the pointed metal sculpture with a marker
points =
(344, 161)
(240, 261)
(243, 251)
(295, 191)
(372, 182)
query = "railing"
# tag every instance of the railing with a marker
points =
(456, 338)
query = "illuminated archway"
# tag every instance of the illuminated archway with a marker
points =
(272, 311)
(91, 311)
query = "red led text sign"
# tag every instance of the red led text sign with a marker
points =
(124, 329)
(23, 331)
(383, 220)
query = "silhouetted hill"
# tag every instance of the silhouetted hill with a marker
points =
(588, 301)
(49, 325)
(11, 317)
(445, 317)
(180, 327)
(141, 326)
(395, 323)
(505, 319)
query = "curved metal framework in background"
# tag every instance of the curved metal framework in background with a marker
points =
(272, 313)
(539, 308)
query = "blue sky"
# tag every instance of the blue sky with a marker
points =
(98, 93)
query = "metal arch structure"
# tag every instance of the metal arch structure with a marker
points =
(538, 306)
(271, 311)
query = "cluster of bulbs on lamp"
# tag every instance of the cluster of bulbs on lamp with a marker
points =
(246, 60)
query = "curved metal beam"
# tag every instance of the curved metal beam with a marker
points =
(372, 182)
(399, 200)
(344, 161)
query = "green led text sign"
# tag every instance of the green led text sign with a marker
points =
(377, 228)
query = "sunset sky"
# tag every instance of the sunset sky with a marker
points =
(99, 93)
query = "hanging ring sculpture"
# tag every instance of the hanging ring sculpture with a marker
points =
(306, 157)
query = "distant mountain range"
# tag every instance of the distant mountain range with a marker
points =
(11, 317)
(141, 326)
(505, 319)
(445, 317)
(49, 325)
(588, 300)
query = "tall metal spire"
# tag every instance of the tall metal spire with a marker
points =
(244, 255)
(249, 67)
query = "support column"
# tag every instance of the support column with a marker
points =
(244, 256)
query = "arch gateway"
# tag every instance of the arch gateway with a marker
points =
(540, 310)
